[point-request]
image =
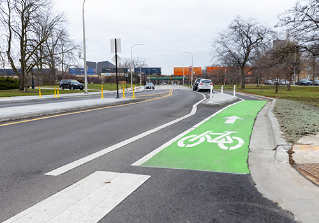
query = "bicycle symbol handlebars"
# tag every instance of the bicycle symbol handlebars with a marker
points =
(222, 140)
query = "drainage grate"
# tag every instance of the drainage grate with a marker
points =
(311, 168)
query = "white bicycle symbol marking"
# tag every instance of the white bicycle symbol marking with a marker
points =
(221, 140)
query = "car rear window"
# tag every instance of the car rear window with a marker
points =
(206, 81)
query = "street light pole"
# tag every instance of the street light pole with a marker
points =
(84, 50)
(183, 72)
(192, 69)
(132, 64)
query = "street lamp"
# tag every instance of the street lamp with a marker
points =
(84, 50)
(132, 64)
(183, 72)
(192, 69)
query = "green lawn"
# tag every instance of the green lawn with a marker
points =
(306, 94)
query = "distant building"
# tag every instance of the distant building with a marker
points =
(179, 71)
(94, 68)
(11, 73)
(148, 70)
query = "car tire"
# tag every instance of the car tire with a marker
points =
(71, 88)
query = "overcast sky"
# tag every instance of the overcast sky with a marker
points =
(166, 28)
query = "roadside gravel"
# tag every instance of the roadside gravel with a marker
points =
(296, 119)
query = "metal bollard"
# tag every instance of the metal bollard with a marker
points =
(39, 92)
(57, 88)
(211, 94)
(234, 90)
(102, 92)
(222, 90)
(133, 92)
(55, 92)
(123, 92)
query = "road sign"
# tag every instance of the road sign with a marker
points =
(118, 45)
(118, 59)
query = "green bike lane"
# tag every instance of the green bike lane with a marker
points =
(220, 144)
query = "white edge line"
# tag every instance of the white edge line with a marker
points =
(102, 152)
(153, 153)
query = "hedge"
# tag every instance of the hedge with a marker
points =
(7, 83)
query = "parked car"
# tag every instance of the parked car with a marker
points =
(316, 82)
(276, 81)
(284, 82)
(196, 83)
(71, 84)
(268, 82)
(204, 84)
(303, 82)
(149, 85)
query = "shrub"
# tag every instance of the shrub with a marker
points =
(7, 83)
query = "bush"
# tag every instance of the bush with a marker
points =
(7, 83)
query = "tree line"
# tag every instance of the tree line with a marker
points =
(34, 36)
(248, 47)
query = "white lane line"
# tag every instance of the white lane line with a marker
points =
(100, 153)
(88, 200)
(151, 154)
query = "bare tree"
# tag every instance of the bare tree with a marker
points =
(302, 23)
(239, 43)
(23, 21)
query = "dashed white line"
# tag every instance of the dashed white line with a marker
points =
(93, 156)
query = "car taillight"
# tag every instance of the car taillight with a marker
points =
(201, 84)
(211, 83)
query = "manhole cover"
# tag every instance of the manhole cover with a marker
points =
(311, 168)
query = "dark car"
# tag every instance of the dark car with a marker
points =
(149, 86)
(316, 82)
(304, 82)
(196, 82)
(71, 84)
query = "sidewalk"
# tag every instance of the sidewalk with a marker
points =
(8, 100)
(17, 111)
(275, 178)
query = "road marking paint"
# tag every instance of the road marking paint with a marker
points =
(150, 155)
(88, 110)
(88, 200)
(100, 153)
(212, 145)
(231, 119)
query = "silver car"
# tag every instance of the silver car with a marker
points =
(204, 84)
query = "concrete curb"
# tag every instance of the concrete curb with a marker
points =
(281, 145)
(274, 177)
(221, 103)
(64, 110)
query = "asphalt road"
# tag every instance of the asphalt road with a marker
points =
(30, 150)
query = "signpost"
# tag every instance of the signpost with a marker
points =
(116, 48)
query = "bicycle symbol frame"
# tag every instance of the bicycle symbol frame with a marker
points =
(222, 140)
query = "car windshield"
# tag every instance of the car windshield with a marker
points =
(74, 81)
(206, 81)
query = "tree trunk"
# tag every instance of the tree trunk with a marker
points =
(242, 77)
